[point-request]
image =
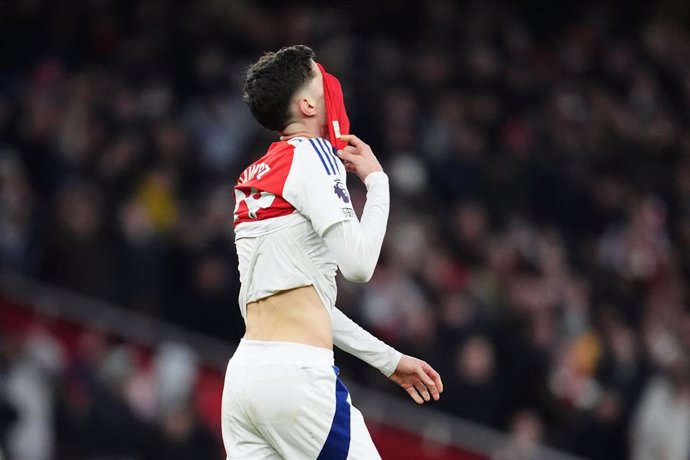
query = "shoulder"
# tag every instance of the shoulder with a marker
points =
(273, 166)
(317, 153)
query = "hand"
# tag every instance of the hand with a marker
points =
(419, 379)
(358, 157)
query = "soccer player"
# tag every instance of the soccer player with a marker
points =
(294, 227)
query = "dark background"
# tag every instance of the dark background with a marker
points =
(538, 248)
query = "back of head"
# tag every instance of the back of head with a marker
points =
(273, 80)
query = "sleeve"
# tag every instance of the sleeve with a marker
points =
(316, 185)
(356, 245)
(351, 338)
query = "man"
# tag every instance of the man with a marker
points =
(294, 227)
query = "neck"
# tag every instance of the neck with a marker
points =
(300, 129)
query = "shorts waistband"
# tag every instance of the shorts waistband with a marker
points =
(263, 352)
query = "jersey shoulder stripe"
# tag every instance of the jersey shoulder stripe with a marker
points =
(322, 155)
(324, 151)
(328, 151)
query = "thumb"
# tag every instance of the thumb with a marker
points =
(347, 156)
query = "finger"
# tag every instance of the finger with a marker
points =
(354, 140)
(431, 372)
(348, 150)
(422, 390)
(413, 393)
(346, 156)
(428, 381)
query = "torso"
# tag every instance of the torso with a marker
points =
(297, 315)
(287, 273)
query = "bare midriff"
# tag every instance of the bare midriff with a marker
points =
(297, 316)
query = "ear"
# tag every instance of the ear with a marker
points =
(307, 107)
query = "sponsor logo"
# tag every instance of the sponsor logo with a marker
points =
(348, 212)
(340, 190)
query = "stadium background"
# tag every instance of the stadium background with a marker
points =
(538, 249)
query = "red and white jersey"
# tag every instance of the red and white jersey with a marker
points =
(284, 202)
(303, 175)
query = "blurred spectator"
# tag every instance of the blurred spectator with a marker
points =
(141, 259)
(32, 364)
(525, 436)
(639, 251)
(119, 404)
(78, 253)
(661, 424)
(17, 239)
(176, 369)
(477, 394)
(182, 436)
(600, 433)
(110, 425)
(8, 415)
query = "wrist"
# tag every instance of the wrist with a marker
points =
(375, 177)
(390, 367)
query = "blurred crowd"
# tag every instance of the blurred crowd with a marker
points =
(99, 399)
(538, 249)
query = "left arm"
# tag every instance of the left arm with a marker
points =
(351, 338)
(356, 245)
(415, 376)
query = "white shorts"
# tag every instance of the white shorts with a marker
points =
(285, 401)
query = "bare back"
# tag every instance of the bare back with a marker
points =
(297, 315)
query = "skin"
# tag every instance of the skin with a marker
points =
(298, 315)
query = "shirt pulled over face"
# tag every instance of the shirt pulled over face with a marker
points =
(338, 122)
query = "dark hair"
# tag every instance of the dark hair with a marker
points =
(272, 82)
